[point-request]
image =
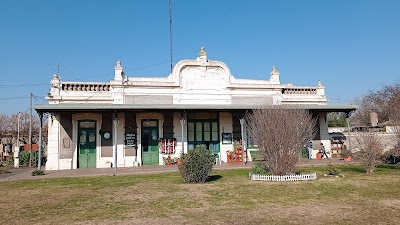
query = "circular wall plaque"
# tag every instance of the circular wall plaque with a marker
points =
(106, 135)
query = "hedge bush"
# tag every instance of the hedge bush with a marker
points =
(24, 158)
(196, 164)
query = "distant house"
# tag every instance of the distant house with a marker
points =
(140, 120)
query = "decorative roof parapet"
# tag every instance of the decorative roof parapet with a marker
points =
(75, 86)
(299, 91)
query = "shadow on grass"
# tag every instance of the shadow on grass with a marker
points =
(213, 178)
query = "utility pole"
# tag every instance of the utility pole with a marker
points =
(16, 149)
(30, 133)
(170, 34)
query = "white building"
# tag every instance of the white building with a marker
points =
(127, 119)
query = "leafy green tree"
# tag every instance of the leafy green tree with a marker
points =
(337, 119)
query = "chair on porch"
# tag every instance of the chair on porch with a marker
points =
(217, 155)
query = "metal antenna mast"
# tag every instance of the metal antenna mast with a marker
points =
(170, 33)
(58, 67)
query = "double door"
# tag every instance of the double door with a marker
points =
(87, 144)
(150, 148)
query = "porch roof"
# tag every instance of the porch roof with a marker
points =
(43, 108)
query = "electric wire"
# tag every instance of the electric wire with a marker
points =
(12, 98)
(80, 79)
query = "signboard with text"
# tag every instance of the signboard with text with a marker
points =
(130, 140)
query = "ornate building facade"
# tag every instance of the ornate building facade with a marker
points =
(131, 121)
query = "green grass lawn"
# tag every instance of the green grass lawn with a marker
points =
(229, 198)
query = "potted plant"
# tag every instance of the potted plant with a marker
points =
(346, 154)
(177, 160)
(230, 156)
(167, 160)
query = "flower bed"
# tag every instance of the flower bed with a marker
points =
(292, 177)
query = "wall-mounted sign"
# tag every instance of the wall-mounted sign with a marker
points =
(226, 138)
(130, 140)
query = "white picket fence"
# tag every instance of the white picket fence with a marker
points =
(293, 177)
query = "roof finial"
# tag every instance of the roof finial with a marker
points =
(202, 52)
(202, 55)
(319, 84)
(274, 71)
(118, 63)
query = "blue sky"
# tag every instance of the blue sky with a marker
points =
(351, 46)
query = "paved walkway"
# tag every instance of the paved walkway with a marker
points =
(25, 173)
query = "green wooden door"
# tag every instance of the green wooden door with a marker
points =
(87, 148)
(150, 149)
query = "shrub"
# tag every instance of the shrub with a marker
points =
(370, 148)
(391, 157)
(304, 153)
(345, 153)
(196, 164)
(24, 158)
(4, 170)
(260, 169)
(10, 160)
(37, 172)
(333, 170)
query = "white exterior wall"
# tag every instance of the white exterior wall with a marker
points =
(225, 126)
(120, 141)
(178, 135)
(53, 143)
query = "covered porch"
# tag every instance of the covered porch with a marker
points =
(121, 135)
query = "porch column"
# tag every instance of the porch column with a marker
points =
(323, 131)
(116, 122)
(244, 144)
(40, 142)
(348, 120)
(183, 121)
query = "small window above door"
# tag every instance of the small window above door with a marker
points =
(149, 123)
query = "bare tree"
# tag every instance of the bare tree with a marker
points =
(9, 128)
(383, 102)
(394, 115)
(280, 133)
(3, 125)
(386, 103)
(369, 148)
